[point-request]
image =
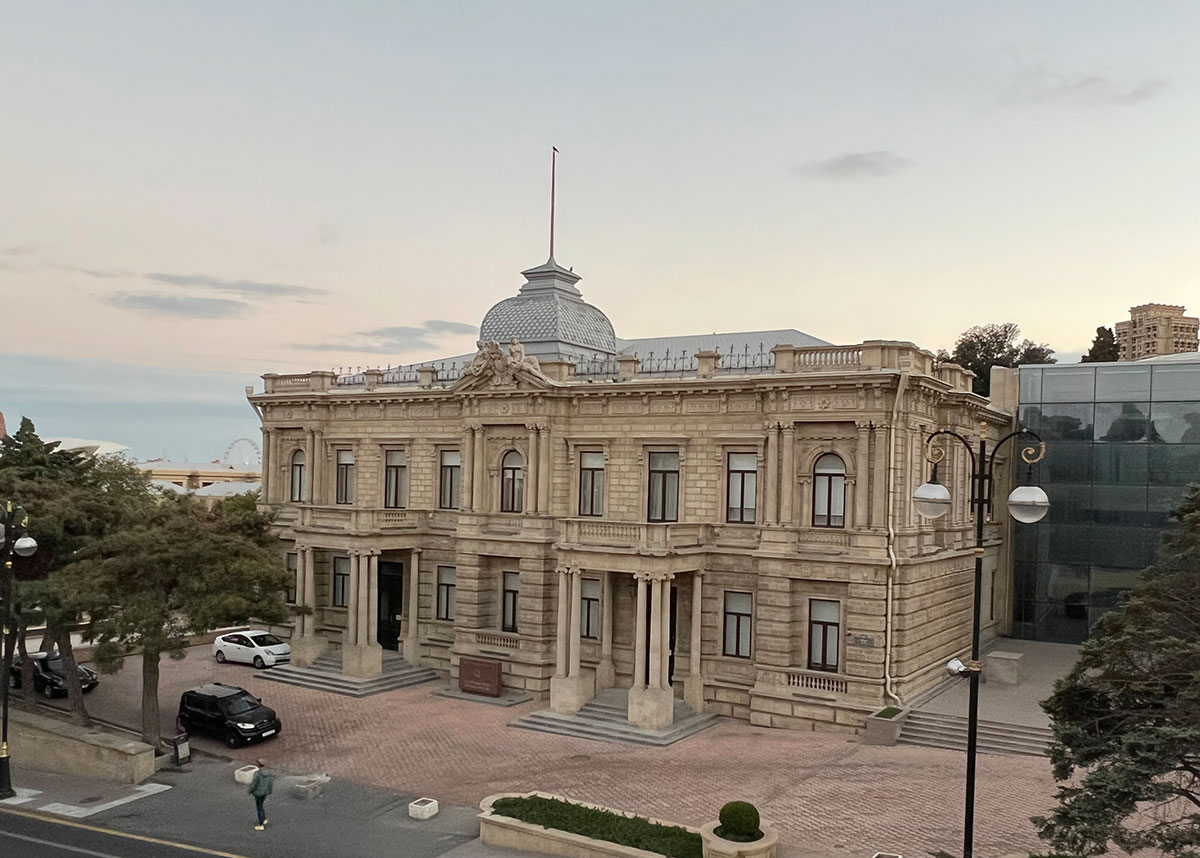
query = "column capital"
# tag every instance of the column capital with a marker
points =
(300, 546)
(864, 425)
(472, 427)
(643, 576)
(544, 428)
(788, 427)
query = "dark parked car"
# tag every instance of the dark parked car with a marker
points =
(227, 712)
(50, 675)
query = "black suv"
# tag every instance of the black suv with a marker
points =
(227, 712)
(50, 675)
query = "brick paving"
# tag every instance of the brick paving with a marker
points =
(825, 793)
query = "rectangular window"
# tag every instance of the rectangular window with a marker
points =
(449, 479)
(742, 472)
(446, 577)
(589, 609)
(591, 484)
(824, 624)
(395, 479)
(737, 624)
(512, 589)
(293, 565)
(341, 581)
(345, 476)
(663, 496)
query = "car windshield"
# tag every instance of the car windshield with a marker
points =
(237, 705)
(54, 665)
(266, 640)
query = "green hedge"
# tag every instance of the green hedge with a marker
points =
(669, 840)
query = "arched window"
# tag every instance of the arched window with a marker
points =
(512, 482)
(297, 495)
(829, 492)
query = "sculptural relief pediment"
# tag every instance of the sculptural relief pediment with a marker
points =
(492, 369)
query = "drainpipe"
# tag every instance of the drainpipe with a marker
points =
(891, 542)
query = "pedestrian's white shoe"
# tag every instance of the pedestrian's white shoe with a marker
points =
(258, 828)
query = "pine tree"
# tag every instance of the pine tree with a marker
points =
(1104, 347)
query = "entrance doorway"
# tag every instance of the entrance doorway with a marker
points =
(391, 603)
(671, 639)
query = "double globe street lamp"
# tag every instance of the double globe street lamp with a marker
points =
(13, 540)
(1027, 504)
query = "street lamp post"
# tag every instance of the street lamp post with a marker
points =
(1027, 504)
(13, 540)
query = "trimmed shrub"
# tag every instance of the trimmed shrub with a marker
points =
(669, 840)
(739, 822)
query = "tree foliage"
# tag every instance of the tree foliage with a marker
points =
(984, 346)
(180, 570)
(1104, 347)
(1126, 720)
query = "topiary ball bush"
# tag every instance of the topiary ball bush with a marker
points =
(739, 822)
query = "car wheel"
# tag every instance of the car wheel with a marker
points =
(231, 741)
(259, 663)
(220, 657)
(48, 691)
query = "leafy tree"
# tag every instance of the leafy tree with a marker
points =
(71, 498)
(181, 569)
(1126, 720)
(1104, 347)
(984, 346)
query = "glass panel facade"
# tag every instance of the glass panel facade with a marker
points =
(1122, 442)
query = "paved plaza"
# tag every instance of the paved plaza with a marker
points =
(827, 794)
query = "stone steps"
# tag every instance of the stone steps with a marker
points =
(934, 730)
(325, 674)
(606, 721)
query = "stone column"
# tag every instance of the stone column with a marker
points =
(276, 467)
(468, 470)
(300, 582)
(480, 487)
(351, 637)
(561, 652)
(412, 640)
(693, 686)
(543, 503)
(787, 480)
(861, 464)
(639, 633)
(372, 625)
(576, 622)
(606, 675)
(879, 497)
(310, 465)
(772, 495)
(665, 646)
(268, 484)
(531, 471)
(307, 645)
(656, 634)
(364, 597)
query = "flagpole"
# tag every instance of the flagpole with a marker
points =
(553, 176)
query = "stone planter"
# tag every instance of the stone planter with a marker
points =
(423, 808)
(719, 847)
(245, 775)
(309, 788)
(884, 731)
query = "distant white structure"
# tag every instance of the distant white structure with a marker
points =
(91, 448)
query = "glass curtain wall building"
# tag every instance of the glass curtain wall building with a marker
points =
(1122, 443)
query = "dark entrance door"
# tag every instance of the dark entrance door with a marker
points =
(391, 603)
(671, 660)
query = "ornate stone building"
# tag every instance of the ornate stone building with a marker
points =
(704, 518)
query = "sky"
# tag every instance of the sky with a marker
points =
(197, 193)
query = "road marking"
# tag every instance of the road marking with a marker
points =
(78, 812)
(61, 846)
(96, 828)
(23, 796)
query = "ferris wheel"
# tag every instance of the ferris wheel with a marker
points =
(243, 451)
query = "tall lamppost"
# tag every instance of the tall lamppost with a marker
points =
(13, 540)
(1027, 504)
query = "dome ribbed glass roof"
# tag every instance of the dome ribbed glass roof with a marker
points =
(549, 309)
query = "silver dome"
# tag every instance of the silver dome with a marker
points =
(550, 317)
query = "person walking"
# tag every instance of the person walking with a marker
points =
(260, 788)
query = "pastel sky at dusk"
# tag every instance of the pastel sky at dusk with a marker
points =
(198, 193)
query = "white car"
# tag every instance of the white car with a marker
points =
(257, 647)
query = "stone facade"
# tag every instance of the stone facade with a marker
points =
(573, 603)
(1157, 329)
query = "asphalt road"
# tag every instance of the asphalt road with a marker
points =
(27, 836)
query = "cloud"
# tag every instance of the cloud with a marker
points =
(399, 338)
(856, 165)
(1043, 87)
(19, 250)
(250, 288)
(183, 306)
(101, 273)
